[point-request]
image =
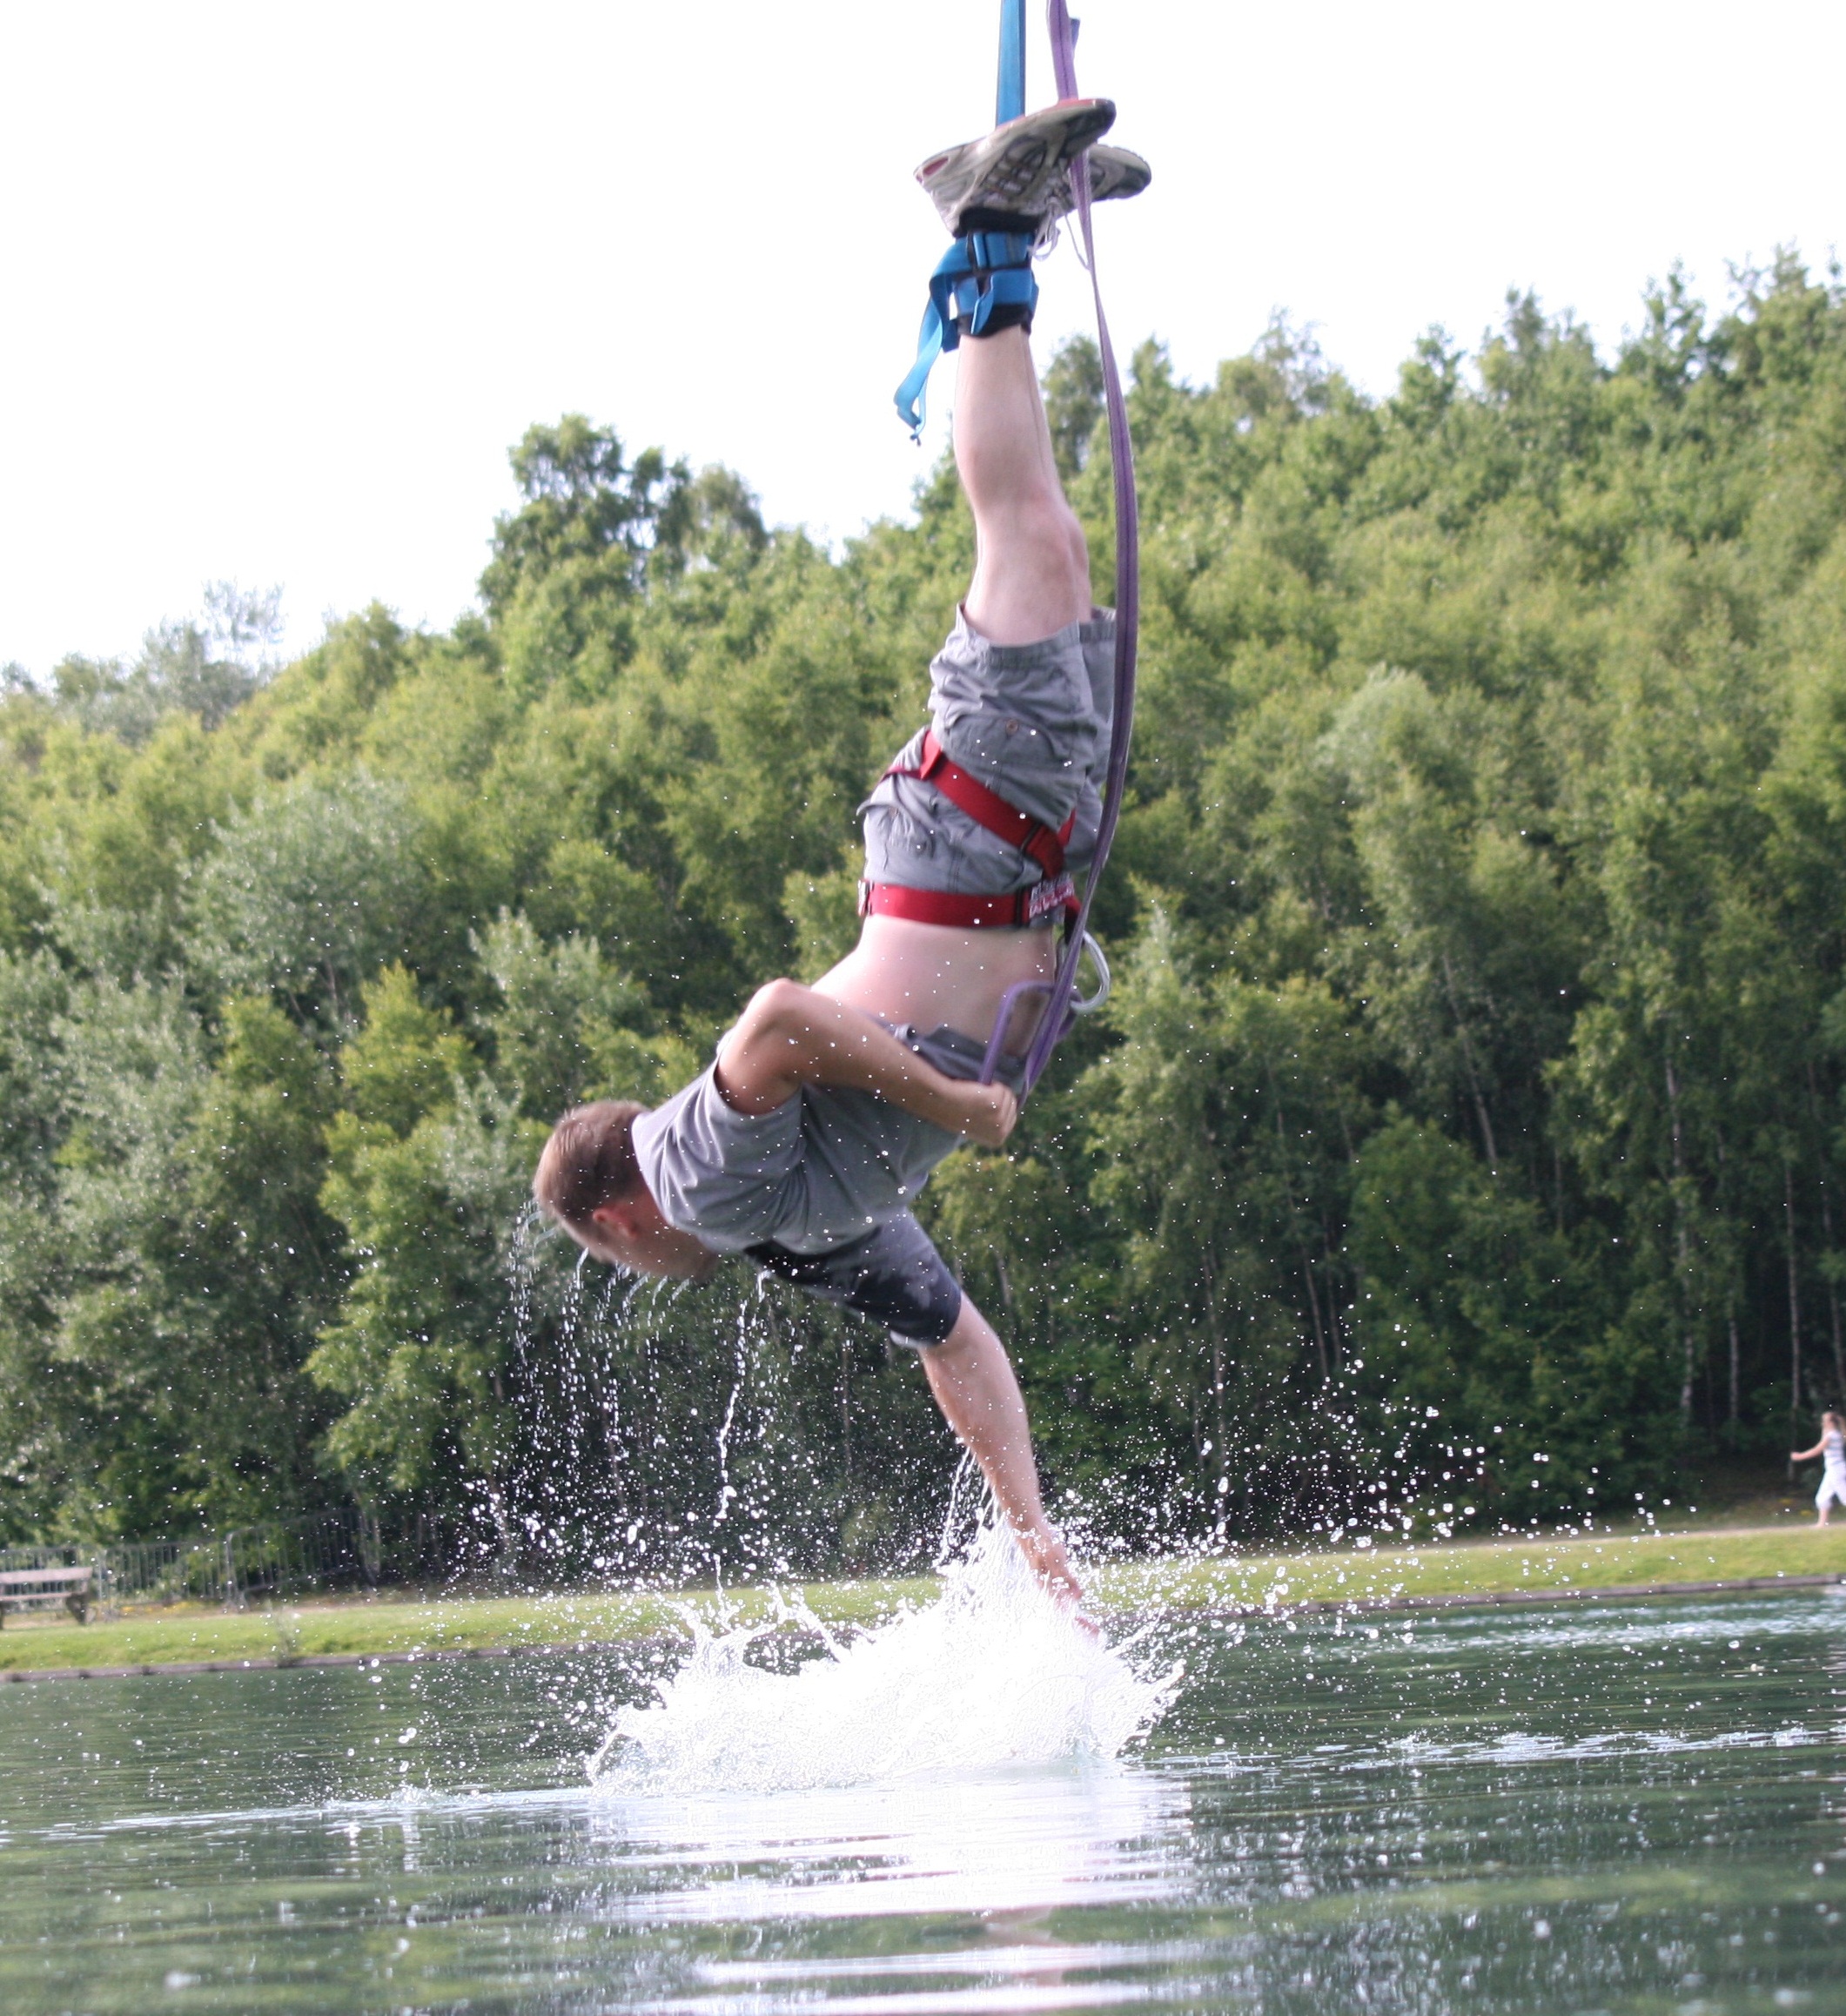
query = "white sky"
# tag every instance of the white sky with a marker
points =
(279, 284)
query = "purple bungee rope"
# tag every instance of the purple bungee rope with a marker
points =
(1058, 1018)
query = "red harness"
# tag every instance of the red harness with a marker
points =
(1034, 839)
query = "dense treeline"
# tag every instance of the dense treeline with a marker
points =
(1465, 1128)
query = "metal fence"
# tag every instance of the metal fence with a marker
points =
(290, 1558)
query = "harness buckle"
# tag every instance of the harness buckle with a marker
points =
(1044, 897)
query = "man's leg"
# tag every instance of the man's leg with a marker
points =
(1032, 575)
(1031, 580)
(972, 1380)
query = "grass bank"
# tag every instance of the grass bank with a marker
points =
(394, 1624)
(1479, 1568)
(448, 1624)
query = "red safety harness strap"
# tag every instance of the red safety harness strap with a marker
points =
(1034, 839)
(940, 906)
(987, 807)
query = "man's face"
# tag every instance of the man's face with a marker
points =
(634, 1234)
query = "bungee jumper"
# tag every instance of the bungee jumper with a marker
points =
(804, 1145)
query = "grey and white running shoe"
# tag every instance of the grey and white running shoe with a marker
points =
(1019, 167)
(1115, 172)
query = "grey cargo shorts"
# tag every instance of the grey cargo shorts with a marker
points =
(1032, 723)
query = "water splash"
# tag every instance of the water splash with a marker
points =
(991, 1673)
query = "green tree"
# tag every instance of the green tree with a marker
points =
(428, 1170)
(1479, 1045)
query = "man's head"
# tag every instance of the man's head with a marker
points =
(588, 1179)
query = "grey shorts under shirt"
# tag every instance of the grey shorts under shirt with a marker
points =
(820, 1190)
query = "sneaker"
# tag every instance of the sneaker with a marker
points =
(1018, 168)
(1115, 172)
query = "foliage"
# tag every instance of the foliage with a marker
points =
(1467, 1126)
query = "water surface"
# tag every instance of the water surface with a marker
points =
(1632, 1808)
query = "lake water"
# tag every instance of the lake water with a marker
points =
(1636, 1807)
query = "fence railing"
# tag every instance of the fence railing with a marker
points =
(289, 1558)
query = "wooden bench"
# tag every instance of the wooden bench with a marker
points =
(24, 1589)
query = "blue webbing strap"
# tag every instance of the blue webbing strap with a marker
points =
(1009, 99)
(978, 273)
(911, 401)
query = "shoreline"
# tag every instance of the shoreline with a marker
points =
(1352, 1606)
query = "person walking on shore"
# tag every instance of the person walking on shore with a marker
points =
(1831, 1450)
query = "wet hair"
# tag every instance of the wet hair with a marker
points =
(588, 1161)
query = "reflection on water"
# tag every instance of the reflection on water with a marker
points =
(1629, 1809)
(1028, 1842)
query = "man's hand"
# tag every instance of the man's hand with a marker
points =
(993, 1112)
(1044, 1554)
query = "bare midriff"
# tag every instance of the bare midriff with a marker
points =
(939, 976)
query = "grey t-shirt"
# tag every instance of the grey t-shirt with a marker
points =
(823, 1168)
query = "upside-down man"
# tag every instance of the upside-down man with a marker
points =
(827, 1107)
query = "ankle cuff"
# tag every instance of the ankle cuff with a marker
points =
(982, 284)
(1000, 315)
(1013, 222)
(987, 303)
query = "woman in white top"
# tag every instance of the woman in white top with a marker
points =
(1831, 1450)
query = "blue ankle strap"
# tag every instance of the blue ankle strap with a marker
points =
(984, 271)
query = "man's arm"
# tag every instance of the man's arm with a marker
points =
(789, 1036)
